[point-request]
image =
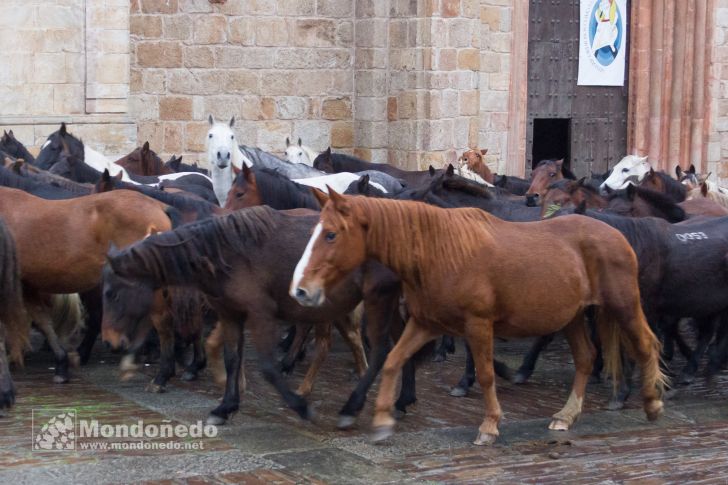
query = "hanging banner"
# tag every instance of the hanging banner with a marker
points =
(602, 42)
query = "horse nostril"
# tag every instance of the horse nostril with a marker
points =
(219, 154)
(301, 293)
(228, 156)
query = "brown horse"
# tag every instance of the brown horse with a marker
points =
(570, 193)
(663, 183)
(473, 159)
(62, 244)
(545, 173)
(144, 161)
(14, 326)
(462, 275)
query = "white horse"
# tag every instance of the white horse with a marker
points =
(337, 181)
(630, 170)
(300, 153)
(223, 153)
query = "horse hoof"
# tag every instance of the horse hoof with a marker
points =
(309, 414)
(654, 410)
(346, 421)
(155, 388)
(60, 379)
(458, 392)
(399, 414)
(559, 425)
(188, 376)
(485, 439)
(215, 420)
(615, 405)
(520, 378)
(381, 433)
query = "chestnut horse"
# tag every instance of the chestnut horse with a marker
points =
(62, 244)
(144, 161)
(545, 173)
(455, 265)
(473, 159)
(14, 325)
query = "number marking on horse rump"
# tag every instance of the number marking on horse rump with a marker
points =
(691, 236)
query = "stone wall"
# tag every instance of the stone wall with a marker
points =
(718, 94)
(54, 69)
(282, 68)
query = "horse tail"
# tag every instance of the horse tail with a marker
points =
(175, 216)
(614, 340)
(12, 310)
(68, 317)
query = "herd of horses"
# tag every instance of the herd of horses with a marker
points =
(151, 254)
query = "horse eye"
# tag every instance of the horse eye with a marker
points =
(209, 136)
(625, 170)
(239, 194)
(232, 136)
(330, 236)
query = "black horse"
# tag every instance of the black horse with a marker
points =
(10, 145)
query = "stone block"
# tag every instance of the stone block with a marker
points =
(195, 135)
(242, 81)
(49, 68)
(175, 108)
(392, 108)
(199, 56)
(447, 59)
(371, 33)
(271, 32)
(242, 31)
(209, 29)
(469, 103)
(177, 27)
(314, 133)
(173, 137)
(68, 99)
(159, 54)
(469, 59)
(272, 136)
(291, 107)
(146, 26)
(297, 8)
(337, 109)
(153, 81)
(222, 106)
(334, 8)
(151, 131)
(450, 8)
(159, 6)
(342, 134)
(314, 33)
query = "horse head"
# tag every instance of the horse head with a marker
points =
(324, 162)
(244, 191)
(545, 173)
(221, 144)
(630, 170)
(296, 153)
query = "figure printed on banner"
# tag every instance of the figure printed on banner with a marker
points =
(605, 31)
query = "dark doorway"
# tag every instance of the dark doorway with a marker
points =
(551, 140)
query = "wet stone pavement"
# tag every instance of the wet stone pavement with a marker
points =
(266, 443)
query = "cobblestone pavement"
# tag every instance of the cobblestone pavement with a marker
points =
(266, 443)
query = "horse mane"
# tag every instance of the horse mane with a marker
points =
(462, 184)
(661, 201)
(196, 250)
(10, 179)
(676, 191)
(279, 192)
(421, 241)
(45, 177)
(203, 208)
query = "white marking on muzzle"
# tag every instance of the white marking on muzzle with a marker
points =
(303, 262)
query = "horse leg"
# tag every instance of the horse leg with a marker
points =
(584, 354)
(529, 361)
(468, 378)
(7, 389)
(719, 350)
(287, 341)
(407, 393)
(163, 325)
(623, 389)
(479, 336)
(706, 331)
(446, 346)
(381, 307)
(92, 303)
(350, 331)
(264, 338)
(199, 359)
(234, 338)
(412, 339)
(296, 349)
(44, 324)
(323, 345)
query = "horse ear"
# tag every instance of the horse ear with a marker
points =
(119, 176)
(328, 152)
(692, 169)
(321, 197)
(678, 172)
(339, 201)
(232, 121)
(651, 172)
(299, 141)
(363, 182)
(106, 176)
(432, 171)
(631, 191)
(175, 163)
(211, 120)
(704, 189)
(560, 163)
(12, 135)
(248, 174)
(63, 130)
(450, 170)
(483, 151)
(151, 232)
(145, 147)
(288, 142)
